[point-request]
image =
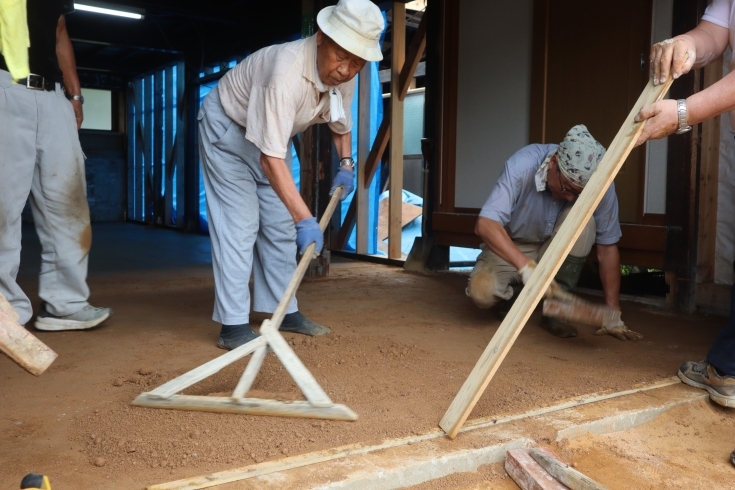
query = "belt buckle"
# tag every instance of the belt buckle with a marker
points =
(35, 82)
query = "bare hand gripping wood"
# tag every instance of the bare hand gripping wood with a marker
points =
(547, 268)
(20, 345)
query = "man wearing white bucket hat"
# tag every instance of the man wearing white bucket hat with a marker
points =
(257, 218)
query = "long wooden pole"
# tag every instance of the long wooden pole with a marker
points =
(560, 247)
(395, 207)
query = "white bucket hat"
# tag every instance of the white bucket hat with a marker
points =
(355, 25)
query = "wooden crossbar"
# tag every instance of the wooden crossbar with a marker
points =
(562, 243)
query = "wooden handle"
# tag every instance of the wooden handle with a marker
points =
(581, 312)
(293, 285)
(23, 347)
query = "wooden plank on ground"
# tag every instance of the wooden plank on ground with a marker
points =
(22, 347)
(560, 246)
(563, 472)
(527, 473)
(398, 57)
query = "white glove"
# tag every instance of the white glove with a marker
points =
(617, 329)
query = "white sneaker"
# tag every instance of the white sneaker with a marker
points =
(87, 317)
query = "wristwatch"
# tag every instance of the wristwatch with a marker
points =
(681, 110)
(80, 98)
(347, 162)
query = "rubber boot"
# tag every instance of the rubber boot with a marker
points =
(567, 278)
(233, 336)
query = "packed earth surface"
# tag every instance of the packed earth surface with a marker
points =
(401, 346)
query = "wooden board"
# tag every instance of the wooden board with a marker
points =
(563, 472)
(409, 212)
(6, 307)
(527, 473)
(547, 268)
(251, 406)
(23, 347)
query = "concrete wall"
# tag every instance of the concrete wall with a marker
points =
(494, 92)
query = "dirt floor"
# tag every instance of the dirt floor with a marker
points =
(401, 346)
(686, 448)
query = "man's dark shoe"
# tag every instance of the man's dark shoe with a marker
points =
(703, 375)
(233, 336)
(298, 323)
(558, 328)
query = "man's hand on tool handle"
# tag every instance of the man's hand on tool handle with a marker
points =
(617, 329)
(344, 178)
(554, 291)
(308, 232)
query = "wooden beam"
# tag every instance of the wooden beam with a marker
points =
(376, 152)
(560, 247)
(708, 186)
(361, 196)
(398, 49)
(380, 143)
(527, 473)
(415, 53)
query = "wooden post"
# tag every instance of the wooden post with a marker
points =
(363, 149)
(708, 184)
(547, 268)
(398, 49)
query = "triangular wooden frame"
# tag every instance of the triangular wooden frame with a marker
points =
(317, 404)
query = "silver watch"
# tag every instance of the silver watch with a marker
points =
(347, 162)
(681, 110)
(80, 98)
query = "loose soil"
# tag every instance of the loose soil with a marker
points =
(401, 346)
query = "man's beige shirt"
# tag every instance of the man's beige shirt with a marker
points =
(272, 93)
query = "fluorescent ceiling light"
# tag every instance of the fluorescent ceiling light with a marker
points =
(101, 10)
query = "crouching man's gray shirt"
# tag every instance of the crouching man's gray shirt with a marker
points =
(529, 215)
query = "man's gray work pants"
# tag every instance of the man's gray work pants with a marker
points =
(250, 227)
(40, 156)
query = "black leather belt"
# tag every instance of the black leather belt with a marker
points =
(37, 82)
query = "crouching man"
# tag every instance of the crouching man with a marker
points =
(528, 204)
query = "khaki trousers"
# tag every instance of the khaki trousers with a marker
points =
(492, 278)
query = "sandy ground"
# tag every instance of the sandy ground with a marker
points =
(402, 345)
